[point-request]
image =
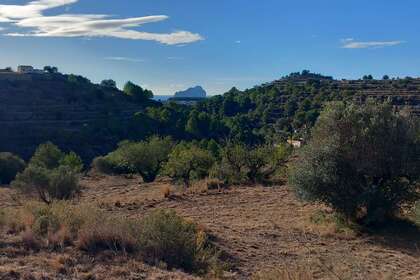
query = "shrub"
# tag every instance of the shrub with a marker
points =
(59, 214)
(187, 163)
(362, 160)
(162, 236)
(51, 174)
(10, 166)
(116, 236)
(47, 156)
(73, 161)
(48, 185)
(111, 164)
(59, 223)
(144, 158)
(166, 237)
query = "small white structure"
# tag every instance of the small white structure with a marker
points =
(27, 69)
(295, 143)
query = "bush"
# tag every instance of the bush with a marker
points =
(10, 166)
(48, 185)
(111, 164)
(362, 160)
(166, 237)
(73, 161)
(162, 236)
(241, 164)
(47, 156)
(51, 174)
(187, 163)
(43, 219)
(116, 236)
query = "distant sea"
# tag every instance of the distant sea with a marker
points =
(162, 98)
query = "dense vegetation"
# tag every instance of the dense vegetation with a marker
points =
(272, 112)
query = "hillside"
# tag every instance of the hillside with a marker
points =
(292, 104)
(91, 119)
(66, 109)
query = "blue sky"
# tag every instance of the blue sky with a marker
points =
(168, 45)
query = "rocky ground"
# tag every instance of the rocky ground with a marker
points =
(257, 228)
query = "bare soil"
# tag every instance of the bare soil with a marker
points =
(257, 229)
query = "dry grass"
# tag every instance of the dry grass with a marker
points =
(166, 191)
(298, 273)
(257, 228)
(102, 236)
(30, 241)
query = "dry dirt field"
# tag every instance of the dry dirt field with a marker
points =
(257, 228)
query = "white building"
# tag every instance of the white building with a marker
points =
(27, 69)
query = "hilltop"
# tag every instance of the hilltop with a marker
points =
(66, 109)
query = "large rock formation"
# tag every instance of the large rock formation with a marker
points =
(194, 92)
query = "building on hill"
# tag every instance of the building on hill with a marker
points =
(6, 70)
(27, 69)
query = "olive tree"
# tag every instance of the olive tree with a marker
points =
(144, 158)
(187, 163)
(362, 160)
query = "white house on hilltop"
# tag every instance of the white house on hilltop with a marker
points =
(27, 69)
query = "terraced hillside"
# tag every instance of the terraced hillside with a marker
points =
(403, 93)
(90, 119)
(68, 110)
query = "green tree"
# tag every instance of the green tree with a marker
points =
(146, 157)
(48, 185)
(187, 163)
(73, 161)
(47, 156)
(10, 166)
(109, 83)
(362, 160)
(136, 92)
(241, 164)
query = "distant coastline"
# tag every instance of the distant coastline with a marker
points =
(162, 98)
